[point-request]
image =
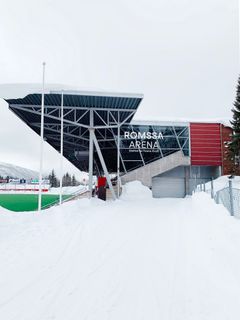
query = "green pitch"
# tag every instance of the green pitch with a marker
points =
(27, 202)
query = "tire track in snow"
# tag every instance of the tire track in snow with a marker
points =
(39, 277)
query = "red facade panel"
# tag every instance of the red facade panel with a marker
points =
(206, 147)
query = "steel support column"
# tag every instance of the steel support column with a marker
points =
(90, 166)
(103, 165)
(118, 159)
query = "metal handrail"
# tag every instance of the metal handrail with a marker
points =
(71, 196)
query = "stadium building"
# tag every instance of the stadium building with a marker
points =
(101, 136)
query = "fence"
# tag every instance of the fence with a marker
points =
(67, 197)
(228, 196)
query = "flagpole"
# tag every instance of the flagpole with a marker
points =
(61, 152)
(41, 143)
(238, 36)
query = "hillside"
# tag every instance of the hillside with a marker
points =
(7, 169)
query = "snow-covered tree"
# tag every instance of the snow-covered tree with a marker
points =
(53, 179)
(67, 180)
(74, 181)
(234, 145)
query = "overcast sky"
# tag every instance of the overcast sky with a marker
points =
(182, 55)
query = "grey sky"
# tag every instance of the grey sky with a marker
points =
(183, 55)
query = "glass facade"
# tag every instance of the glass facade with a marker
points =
(142, 144)
(139, 145)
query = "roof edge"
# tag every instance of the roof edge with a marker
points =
(180, 122)
(97, 93)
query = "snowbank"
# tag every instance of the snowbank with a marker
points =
(223, 182)
(68, 190)
(129, 259)
(136, 190)
(180, 121)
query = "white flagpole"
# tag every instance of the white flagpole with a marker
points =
(61, 152)
(41, 144)
(238, 36)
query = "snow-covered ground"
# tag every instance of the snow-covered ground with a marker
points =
(68, 190)
(223, 182)
(135, 258)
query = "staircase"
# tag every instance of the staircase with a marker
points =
(145, 173)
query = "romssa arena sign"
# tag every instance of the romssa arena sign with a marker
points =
(146, 141)
(143, 135)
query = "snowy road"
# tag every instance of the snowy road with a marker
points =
(138, 258)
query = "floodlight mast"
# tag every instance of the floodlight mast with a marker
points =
(41, 143)
(90, 166)
(61, 152)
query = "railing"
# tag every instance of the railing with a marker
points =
(22, 187)
(66, 197)
(228, 196)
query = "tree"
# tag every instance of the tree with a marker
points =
(8, 177)
(67, 180)
(64, 183)
(53, 179)
(234, 145)
(74, 181)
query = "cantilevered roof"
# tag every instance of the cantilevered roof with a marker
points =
(108, 109)
(85, 100)
(81, 101)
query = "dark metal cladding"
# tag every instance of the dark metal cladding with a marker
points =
(86, 101)
(75, 105)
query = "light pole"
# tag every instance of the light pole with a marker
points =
(61, 152)
(41, 143)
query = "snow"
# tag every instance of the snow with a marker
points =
(135, 190)
(21, 90)
(69, 190)
(135, 258)
(163, 121)
(223, 182)
(7, 169)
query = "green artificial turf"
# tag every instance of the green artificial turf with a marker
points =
(27, 202)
